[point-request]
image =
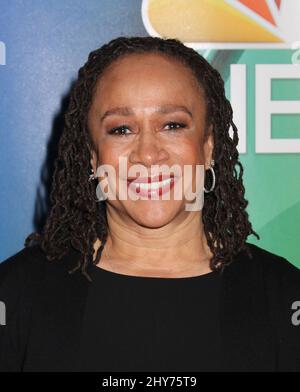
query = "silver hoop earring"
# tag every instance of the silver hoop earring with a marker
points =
(91, 176)
(213, 177)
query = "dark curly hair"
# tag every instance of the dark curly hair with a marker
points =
(77, 220)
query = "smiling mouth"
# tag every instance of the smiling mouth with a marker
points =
(147, 186)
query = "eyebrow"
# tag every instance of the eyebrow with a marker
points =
(127, 111)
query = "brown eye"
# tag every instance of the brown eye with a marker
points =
(121, 131)
(173, 126)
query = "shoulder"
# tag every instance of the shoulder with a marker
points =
(281, 293)
(20, 270)
(271, 260)
(29, 279)
(271, 278)
(36, 292)
(266, 263)
(266, 274)
(277, 270)
(22, 262)
(32, 260)
(262, 301)
(30, 266)
(19, 277)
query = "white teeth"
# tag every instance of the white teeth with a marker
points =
(152, 185)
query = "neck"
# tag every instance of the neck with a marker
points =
(179, 247)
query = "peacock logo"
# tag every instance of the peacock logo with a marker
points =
(225, 24)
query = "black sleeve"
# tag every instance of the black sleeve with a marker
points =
(14, 279)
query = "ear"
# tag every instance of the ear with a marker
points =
(94, 160)
(208, 146)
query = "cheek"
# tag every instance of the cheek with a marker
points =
(190, 152)
(108, 155)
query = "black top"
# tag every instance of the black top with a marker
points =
(135, 323)
(50, 313)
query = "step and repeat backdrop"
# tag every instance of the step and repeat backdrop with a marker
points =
(255, 45)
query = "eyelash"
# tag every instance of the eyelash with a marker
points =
(122, 127)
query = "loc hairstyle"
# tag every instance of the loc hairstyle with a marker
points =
(77, 220)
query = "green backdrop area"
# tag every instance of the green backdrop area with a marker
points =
(272, 180)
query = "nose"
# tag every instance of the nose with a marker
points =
(148, 149)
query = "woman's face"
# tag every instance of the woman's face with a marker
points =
(149, 110)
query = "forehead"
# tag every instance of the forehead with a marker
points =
(157, 63)
(147, 77)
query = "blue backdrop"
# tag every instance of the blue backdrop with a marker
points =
(44, 43)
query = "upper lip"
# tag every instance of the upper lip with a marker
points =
(145, 180)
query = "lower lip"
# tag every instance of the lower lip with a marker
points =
(147, 193)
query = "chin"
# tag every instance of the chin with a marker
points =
(153, 215)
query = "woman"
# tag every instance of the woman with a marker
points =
(128, 284)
